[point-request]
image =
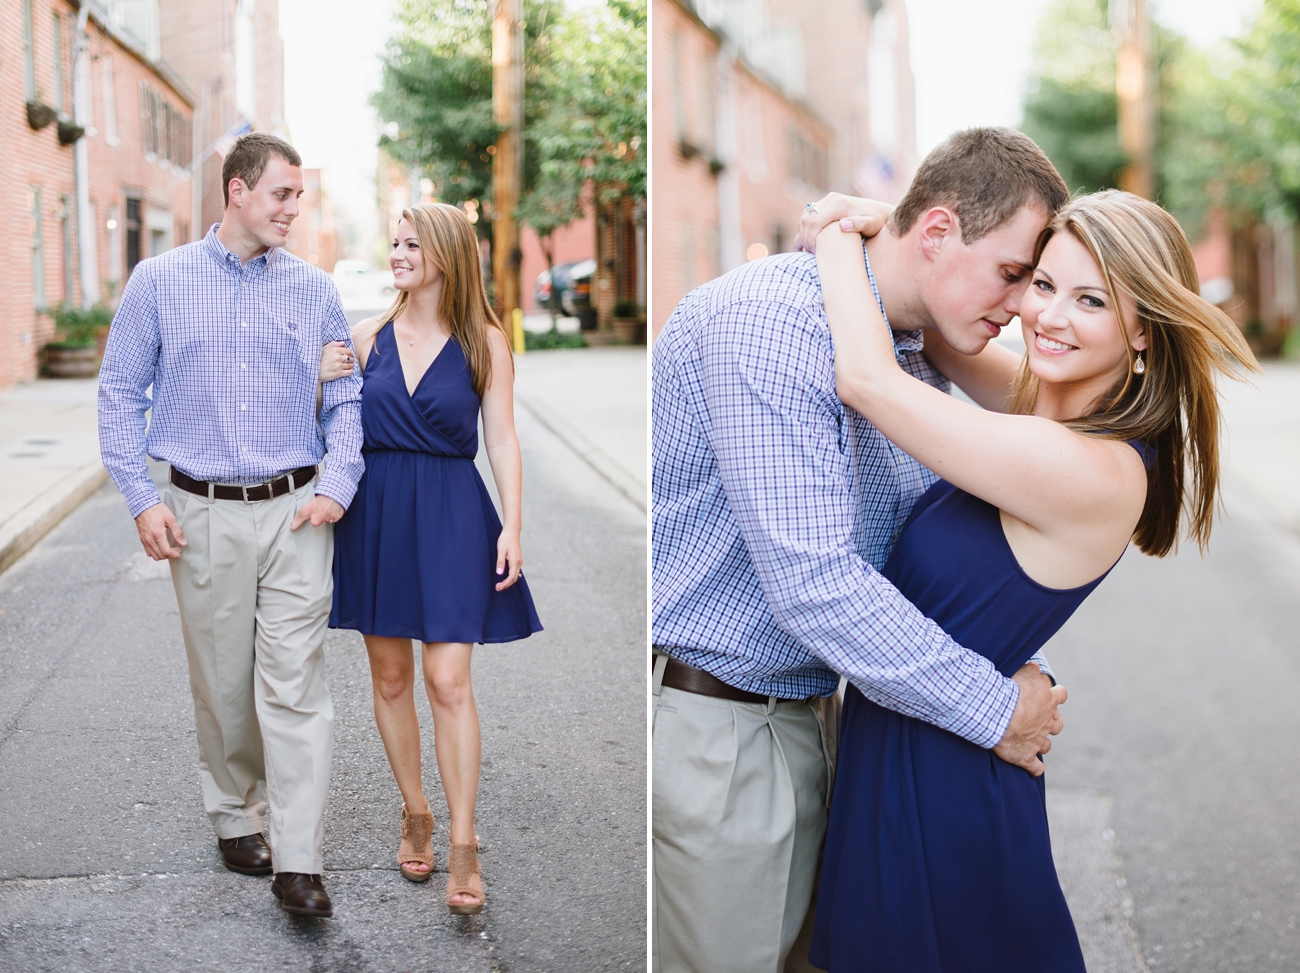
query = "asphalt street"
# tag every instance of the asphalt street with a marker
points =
(1175, 786)
(106, 858)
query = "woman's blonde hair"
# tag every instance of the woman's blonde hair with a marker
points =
(447, 239)
(1173, 407)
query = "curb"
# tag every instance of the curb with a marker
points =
(605, 466)
(21, 532)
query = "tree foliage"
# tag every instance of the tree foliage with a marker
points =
(584, 101)
(593, 128)
(1264, 107)
(437, 90)
(1228, 120)
(1070, 108)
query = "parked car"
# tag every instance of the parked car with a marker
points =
(363, 286)
(567, 288)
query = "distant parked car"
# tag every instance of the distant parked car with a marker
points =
(567, 288)
(362, 286)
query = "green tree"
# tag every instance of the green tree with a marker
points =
(1264, 110)
(1070, 108)
(593, 124)
(437, 90)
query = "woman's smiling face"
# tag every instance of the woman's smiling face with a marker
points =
(1069, 322)
(411, 267)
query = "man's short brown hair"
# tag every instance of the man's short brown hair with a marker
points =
(247, 159)
(985, 176)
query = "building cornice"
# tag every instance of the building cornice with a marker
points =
(133, 47)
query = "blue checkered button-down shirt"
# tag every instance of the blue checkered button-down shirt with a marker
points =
(233, 354)
(774, 506)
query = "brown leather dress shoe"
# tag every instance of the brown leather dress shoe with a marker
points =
(249, 855)
(303, 895)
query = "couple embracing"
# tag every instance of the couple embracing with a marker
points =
(254, 378)
(823, 509)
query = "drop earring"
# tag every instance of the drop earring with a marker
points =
(1139, 366)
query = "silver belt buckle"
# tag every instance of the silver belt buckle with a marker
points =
(255, 485)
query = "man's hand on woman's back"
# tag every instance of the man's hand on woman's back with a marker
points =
(1035, 720)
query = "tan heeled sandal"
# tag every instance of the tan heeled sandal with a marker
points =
(461, 864)
(417, 830)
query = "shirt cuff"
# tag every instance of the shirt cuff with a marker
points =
(336, 487)
(1041, 661)
(986, 716)
(141, 499)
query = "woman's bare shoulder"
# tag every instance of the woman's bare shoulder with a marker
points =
(366, 326)
(497, 339)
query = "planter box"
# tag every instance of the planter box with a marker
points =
(62, 361)
(599, 339)
(630, 331)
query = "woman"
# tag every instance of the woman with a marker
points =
(421, 553)
(937, 855)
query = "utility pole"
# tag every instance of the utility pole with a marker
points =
(507, 160)
(1135, 84)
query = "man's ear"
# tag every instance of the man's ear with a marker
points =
(236, 191)
(937, 228)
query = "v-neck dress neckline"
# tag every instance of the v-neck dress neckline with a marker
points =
(397, 346)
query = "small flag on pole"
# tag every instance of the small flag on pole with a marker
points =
(227, 142)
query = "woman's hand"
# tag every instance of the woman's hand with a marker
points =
(866, 216)
(509, 555)
(336, 361)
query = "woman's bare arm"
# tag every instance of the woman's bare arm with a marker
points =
(365, 327)
(1034, 469)
(503, 456)
(985, 377)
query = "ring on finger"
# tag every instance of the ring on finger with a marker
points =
(810, 208)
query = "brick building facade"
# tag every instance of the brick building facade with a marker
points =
(230, 55)
(137, 122)
(758, 108)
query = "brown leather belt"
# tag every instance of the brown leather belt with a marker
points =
(248, 494)
(678, 675)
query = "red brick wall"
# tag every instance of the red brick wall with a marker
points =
(772, 191)
(684, 212)
(35, 159)
(683, 192)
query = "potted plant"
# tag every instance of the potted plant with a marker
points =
(627, 323)
(75, 353)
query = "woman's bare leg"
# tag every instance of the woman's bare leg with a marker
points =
(456, 734)
(392, 675)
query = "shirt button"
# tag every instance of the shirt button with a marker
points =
(243, 408)
(243, 324)
(242, 365)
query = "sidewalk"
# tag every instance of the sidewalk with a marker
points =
(594, 399)
(49, 459)
(1261, 445)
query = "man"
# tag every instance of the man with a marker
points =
(773, 508)
(229, 332)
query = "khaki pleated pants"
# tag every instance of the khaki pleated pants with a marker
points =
(254, 602)
(738, 800)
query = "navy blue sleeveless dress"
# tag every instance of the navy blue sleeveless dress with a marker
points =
(415, 554)
(937, 854)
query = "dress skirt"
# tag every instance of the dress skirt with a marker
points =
(415, 556)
